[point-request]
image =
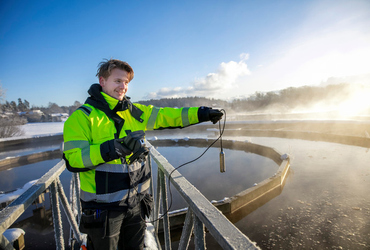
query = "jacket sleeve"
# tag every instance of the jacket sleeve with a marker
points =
(160, 118)
(79, 151)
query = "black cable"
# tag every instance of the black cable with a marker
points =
(169, 177)
(186, 163)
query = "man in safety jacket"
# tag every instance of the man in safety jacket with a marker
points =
(104, 142)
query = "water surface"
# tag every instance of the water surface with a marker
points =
(325, 203)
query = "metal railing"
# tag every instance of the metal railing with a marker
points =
(201, 213)
(15, 209)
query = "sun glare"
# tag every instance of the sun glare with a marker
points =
(358, 103)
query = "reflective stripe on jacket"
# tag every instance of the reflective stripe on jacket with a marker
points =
(114, 182)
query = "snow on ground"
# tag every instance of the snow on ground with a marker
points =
(38, 129)
(42, 128)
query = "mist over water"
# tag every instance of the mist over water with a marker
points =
(327, 102)
(325, 203)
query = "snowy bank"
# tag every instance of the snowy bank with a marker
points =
(38, 129)
(9, 196)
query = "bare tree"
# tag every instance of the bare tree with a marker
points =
(2, 94)
(11, 127)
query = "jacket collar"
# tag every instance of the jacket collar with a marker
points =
(109, 105)
(102, 101)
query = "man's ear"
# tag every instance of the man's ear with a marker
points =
(102, 81)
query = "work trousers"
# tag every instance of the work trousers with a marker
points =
(123, 230)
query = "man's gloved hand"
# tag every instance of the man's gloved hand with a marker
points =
(113, 149)
(209, 114)
(119, 148)
(134, 141)
(215, 115)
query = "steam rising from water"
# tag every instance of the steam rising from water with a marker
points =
(345, 105)
(348, 102)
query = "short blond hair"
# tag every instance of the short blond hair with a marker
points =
(106, 67)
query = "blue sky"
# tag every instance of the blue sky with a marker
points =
(49, 50)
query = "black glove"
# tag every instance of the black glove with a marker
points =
(113, 149)
(119, 148)
(135, 142)
(208, 114)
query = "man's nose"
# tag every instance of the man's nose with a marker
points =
(123, 85)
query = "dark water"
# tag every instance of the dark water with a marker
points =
(242, 171)
(325, 203)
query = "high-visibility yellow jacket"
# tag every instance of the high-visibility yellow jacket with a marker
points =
(113, 184)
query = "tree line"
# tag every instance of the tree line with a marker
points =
(284, 100)
(24, 106)
(281, 101)
(186, 102)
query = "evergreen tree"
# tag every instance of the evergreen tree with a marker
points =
(27, 104)
(21, 107)
(13, 106)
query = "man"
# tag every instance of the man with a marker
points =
(104, 142)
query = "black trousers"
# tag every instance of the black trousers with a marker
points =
(120, 230)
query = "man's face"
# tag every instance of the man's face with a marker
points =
(116, 84)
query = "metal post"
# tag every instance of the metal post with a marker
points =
(166, 222)
(187, 230)
(72, 191)
(199, 237)
(68, 211)
(151, 188)
(77, 193)
(155, 213)
(57, 218)
(157, 203)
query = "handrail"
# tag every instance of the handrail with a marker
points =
(205, 213)
(49, 180)
(15, 209)
(11, 213)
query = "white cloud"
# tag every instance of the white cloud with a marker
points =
(331, 44)
(211, 85)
